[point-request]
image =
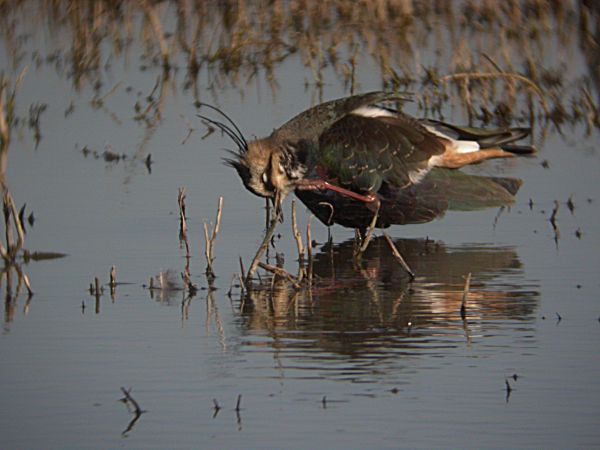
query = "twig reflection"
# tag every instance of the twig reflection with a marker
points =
(133, 407)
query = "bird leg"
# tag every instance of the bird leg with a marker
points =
(369, 234)
(370, 199)
(322, 185)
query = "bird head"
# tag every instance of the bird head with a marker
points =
(269, 167)
(260, 169)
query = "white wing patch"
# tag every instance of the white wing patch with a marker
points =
(457, 146)
(465, 146)
(373, 111)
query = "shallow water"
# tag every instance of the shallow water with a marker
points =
(363, 360)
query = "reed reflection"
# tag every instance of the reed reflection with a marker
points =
(502, 61)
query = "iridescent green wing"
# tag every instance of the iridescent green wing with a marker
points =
(310, 124)
(360, 153)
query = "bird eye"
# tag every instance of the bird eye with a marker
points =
(265, 180)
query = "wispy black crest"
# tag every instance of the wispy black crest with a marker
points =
(238, 161)
(239, 164)
(232, 131)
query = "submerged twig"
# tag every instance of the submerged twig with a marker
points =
(183, 240)
(309, 250)
(96, 291)
(23, 276)
(187, 281)
(237, 412)
(216, 407)
(129, 399)
(508, 388)
(12, 249)
(552, 221)
(190, 130)
(113, 276)
(554, 214)
(242, 274)
(280, 271)
(262, 249)
(97, 288)
(212, 308)
(298, 238)
(112, 283)
(463, 305)
(233, 276)
(297, 235)
(398, 256)
(209, 240)
(137, 411)
(182, 215)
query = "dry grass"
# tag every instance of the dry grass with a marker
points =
(12, 251)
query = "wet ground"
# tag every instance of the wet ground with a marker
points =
(364, 359)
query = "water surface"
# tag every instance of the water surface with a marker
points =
(365, 359)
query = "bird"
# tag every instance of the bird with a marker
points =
(360, 163)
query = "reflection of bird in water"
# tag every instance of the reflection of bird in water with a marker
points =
(376, 296)
(350, 160)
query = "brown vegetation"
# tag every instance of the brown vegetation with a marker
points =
(503, 61)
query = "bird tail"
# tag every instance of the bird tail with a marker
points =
(468, 145)
(498, 138)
